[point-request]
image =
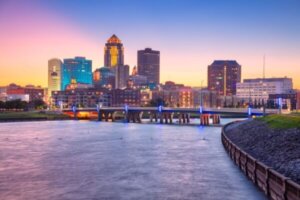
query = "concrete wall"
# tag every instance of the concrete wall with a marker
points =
(273, 184)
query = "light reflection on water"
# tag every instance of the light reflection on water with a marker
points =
(98, 160)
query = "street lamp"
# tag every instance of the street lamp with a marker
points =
(218, 92)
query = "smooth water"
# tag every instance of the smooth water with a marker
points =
(99, 160)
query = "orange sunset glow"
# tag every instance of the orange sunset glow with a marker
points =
(33, 33)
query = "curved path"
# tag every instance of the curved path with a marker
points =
(92, 160)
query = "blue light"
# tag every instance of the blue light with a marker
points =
(280, 102)
(98, 108)
(249, 111)
(201, 109)
(160, 108)
(61, 105)
(74, 109)
(126, 108)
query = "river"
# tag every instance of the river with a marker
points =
(100, 160)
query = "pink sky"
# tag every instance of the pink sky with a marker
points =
(32, 34)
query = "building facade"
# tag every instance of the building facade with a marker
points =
(146, 96)
(186, 97)
(81, 98)
(298, 100)
(138, 80)
(127, 96)
(223, 75)
(288, 100)
(149, 65)
(77, 70)
(54, 75)
(113, 52)
(205, 98)
(3, 93)
(104, 77)
(258, 90)
(29, 93)
(122, 74)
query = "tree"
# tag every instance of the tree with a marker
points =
(255, 103)
(15, 104)
(2, 104)
(38, 104)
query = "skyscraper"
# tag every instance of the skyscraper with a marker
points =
(77, 70)
(113, 52)
(122, 74)
(223, 75)
(149, 65)
(54, 75)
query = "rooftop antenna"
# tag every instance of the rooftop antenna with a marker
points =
(264, 76)
(264, 66)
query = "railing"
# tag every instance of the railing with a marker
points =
(274, 185)
(237, 111)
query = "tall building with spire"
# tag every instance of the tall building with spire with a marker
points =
(113, 52)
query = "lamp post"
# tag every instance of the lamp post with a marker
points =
(201, 97)
(218, 92)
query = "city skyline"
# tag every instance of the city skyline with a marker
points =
(38, 31)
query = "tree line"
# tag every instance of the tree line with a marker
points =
(19, 104)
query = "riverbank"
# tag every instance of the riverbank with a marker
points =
(32, 116)
(273, 140)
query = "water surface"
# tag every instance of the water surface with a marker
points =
(99, 160)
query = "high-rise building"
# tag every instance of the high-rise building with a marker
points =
(122, 75)
(78, 70)
(54, 75)
(149, 65)
(113, 52)
(223, 75)
(104, 77)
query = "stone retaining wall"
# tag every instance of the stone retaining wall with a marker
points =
(273, 184)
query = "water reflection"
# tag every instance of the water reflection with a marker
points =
(92, 160)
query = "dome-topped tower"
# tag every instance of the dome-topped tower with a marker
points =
(114, 40)
(113, 52)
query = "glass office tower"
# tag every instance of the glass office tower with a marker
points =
(77, 70)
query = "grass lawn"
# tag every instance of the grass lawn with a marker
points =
(282, 121)
(31, 116)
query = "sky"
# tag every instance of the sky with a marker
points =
(190, 35)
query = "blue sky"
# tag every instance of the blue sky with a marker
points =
(189, 33)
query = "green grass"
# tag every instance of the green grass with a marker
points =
(282, 121)
(31, 116)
